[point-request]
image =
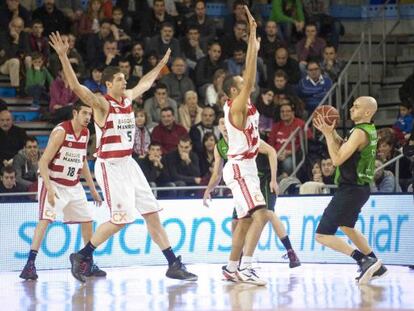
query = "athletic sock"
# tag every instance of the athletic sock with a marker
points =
(372, 255)
(357, 255)
(246, 262)
(88, 250)
(232, 266)
(169, 255)
(32, 255)
(286, 243)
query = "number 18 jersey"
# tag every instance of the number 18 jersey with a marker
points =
(116, 138)
(67, 164)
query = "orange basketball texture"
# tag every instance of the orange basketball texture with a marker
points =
(329, 113)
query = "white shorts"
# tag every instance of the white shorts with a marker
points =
(242, 179)
(71, 202)
(126, 190)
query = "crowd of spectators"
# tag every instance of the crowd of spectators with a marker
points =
(176, 120)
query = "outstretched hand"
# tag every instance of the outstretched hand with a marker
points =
(250, 18)
(165, 59)
(58, 44)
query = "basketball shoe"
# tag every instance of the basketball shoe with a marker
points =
(368, 266)
(293, 259)
(29, 271)
(178, 271)
(248, 275)
(230, 276)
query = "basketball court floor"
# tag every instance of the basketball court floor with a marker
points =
(310, 287)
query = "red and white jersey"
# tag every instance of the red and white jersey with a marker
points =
(66, 166)
(116, 138)
(243, 143)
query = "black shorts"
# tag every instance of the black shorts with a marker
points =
(344, 208)
(270, 197)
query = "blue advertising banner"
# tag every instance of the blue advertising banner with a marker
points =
(203, 235)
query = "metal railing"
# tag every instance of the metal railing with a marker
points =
(297, 133)
(395, 160)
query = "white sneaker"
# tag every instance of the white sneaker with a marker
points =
(248, 275)
(228, 275)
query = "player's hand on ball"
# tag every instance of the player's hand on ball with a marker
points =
(320, 124)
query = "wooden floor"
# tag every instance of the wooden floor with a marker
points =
(312, 286)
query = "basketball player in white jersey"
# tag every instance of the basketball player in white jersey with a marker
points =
(240, 172)
(126, 190)
(59, 187)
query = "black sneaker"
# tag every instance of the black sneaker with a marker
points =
(29, 271)
(411, 267)
(293, 259)
(382, 271)
(79, 265)
(368, 267)
(178, 271)
(94, 270)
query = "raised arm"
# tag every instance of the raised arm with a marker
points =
(146, 81)
(268, 150)
(55, 141)
(239, 106)
(215, 176)
(97, 103)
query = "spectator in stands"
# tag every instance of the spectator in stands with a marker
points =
(206, 26)
(9, 184)
(331, 65)
(404, 123)
(29, 5)
(165, 40)
(74, 56)
(72, 9)
(207, 66)
(135, 11)
(137, 60)
(197, 131)
(192, 47)
(267, 110)
(317, 11)
(109, 56)
(155, 169)
(310, 47)
(38, 80)
(25, 162)
(288, 14)
(167, 133)
(154, 105)
(183, 165)
(177, 81)
(94, 83)
(95, 42)
(282, 61)
(13, 44)
(125, 67)
(52, 18)
(38, 42)
(190, 112)
(152, 21)
(313, 88)
(328, 170)
(13, 9)
(206, 156)
(270, 42)
(315, 184)
(124, 29)
(142, 137)
(384, 180)
(215, 88)
(61, 99)
(406, 91)
(170, 6)
(238, 15)
(152, 59)
(12, 138)
(89, 21)
(386, 148)
(236, 38)
(280, 133)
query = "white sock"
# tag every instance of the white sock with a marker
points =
(232, 266)
(246, 262)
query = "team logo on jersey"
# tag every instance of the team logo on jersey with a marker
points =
(258, 197)
(70, 144)
(116, 110)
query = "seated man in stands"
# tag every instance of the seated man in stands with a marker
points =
(282, 61)
(8, 184)
(25, 162)
(154, 105)
(310, 47)
(94, 83)
(184, 166)
(384, 180)
(328, 170)
(206, 125)
(331, 65)
(12, 138)
(313, 88)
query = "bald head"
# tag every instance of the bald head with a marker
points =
(6, 120)
(363, 109)
(369, 103)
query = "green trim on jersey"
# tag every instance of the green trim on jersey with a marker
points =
(360, 167)
(222, 148)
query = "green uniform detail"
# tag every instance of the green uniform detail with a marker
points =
(360, 167)
(263, 173)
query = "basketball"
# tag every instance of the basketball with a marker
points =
(329, 113)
